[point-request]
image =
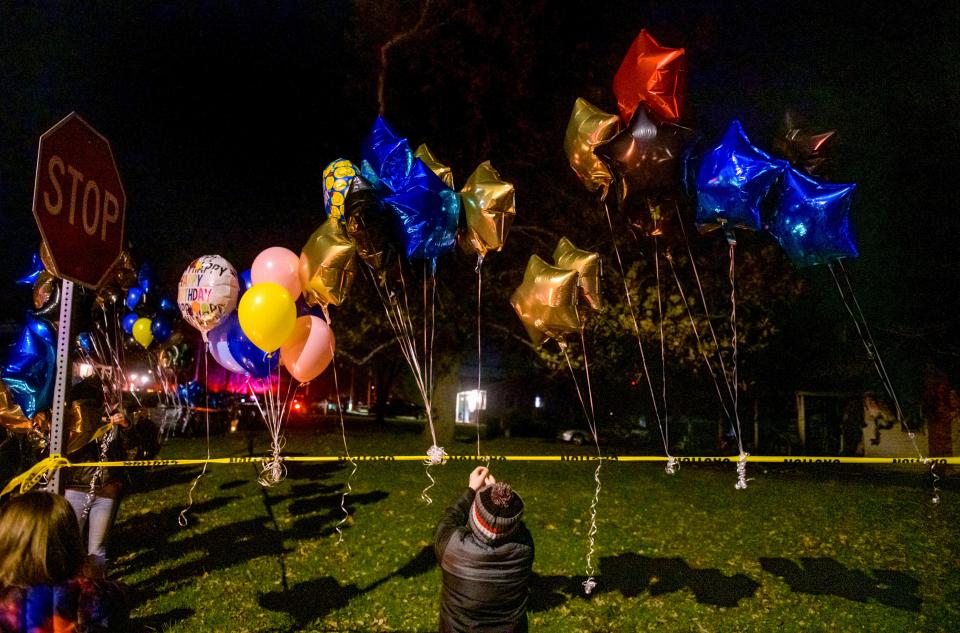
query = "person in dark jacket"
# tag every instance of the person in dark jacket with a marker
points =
(486, 554)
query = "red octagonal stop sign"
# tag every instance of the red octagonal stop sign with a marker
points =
(78, 201)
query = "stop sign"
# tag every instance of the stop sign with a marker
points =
(78, 201)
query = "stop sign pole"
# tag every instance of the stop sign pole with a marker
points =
(80, 208)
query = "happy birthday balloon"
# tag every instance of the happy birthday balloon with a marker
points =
(337, 177)
(733, 181)
(586, 263)
(546, 301)
(589, 126)
(812, 220)
(653, 74)
(489, 208)
(207, 292)
(327, 265)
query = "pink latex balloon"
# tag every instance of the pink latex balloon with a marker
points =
(309, 349)
(280, 266)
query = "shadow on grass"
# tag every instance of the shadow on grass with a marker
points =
(160, 621)
(632, 574)
(825, 576)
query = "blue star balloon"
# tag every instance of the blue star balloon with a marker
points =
(733, 181)
(36, 267)
(388, 158)
(31, 366)
(812, 220)
(427, 214)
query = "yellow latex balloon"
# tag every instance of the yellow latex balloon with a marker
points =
(587, 263)
(327, 265)
(142, 333)
(442, 171)
(546, 301)
(589, 126)
(489, 207)
(267, 315)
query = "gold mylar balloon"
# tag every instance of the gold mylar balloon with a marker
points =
(589, 126)
(442, 171)
(489, 206)
(12, 417)
(569, 257)
(47, 258)
(546, 301)
(85, 424)
(327, 265)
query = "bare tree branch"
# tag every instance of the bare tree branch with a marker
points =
(366, 359)
(393, 41)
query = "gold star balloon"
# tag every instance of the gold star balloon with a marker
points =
(586, 263)
(442, 171)
(546, 301)
(589, 126)
(327, 265)
(489, 207)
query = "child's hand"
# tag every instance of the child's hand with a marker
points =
(479, 477)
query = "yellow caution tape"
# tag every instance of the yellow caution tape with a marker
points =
(32, 477)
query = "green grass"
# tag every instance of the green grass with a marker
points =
(800, 550)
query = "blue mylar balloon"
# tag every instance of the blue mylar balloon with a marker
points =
(251, 358)
(36, 267)
(85, 342)
(128, 320)
(427, 212)
(733, 181)
(134, 295)
(32, 366)
(168, 305)
(812, 220)
(161, 326)
(219, 339)
(305, 309)
(388, 157)
(145, 277)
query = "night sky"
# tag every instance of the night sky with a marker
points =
(222, 115)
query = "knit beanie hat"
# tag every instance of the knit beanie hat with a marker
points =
(495, 513)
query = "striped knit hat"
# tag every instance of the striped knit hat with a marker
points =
(495, 513)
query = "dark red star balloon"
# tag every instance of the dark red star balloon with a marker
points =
(654, 74)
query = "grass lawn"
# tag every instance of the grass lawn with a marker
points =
(802, 549)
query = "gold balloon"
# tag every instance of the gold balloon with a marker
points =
(442, 171)
(47, 259)
(327, 265)
(569, 257)
(489, 206)
(546, 301)
(589, 126)
(85, 424)
(12, 417)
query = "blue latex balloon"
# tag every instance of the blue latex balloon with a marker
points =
(85, 342)
(388, 157)
(134, 295)
(733, 182)
(219, 339)
(161, 326)
(812, 220)
(251, 358)
(36, 267)
(427, 214)
(145, 277)
(31, 366)
(168, 305)
(128, 320)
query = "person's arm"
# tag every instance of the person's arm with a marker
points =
(455, 515)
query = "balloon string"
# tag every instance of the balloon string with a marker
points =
(663, 349)
(182, 519)
(742, 462)
(479, 348)
(873, 353)
(346, 450)
(706, 309)
(636, 325)
(696, 333)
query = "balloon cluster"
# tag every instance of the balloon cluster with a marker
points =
(147, 320)
(548, 298)
(643, 154)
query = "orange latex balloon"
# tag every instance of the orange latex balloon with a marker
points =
(654, 74)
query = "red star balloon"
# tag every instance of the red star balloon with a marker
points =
(654, 74)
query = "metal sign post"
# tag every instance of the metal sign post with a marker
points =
(61, 382)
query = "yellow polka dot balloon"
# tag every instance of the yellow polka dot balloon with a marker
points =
(336, 182)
